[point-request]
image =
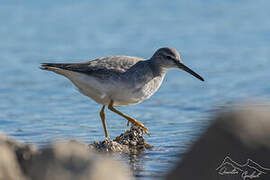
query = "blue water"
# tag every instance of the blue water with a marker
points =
(226, 42)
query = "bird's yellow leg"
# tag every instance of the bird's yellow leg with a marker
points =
(102, 116)
(138, 123)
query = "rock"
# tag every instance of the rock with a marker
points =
(130, 142)
(9, 167)
(71, 160)
(74, 161)
(14, 156)
(64, 161)
(235, 146)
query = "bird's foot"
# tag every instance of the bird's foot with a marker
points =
(139, 124)
(145, 131)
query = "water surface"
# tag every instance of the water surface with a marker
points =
(227, 42)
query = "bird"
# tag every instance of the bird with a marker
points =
(116, 81)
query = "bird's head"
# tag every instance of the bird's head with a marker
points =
(168, 58)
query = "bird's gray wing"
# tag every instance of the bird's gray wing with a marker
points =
(99, 67)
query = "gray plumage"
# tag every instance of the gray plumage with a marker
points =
(120, 80)
(124, 79)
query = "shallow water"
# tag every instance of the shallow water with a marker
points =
(226, 42)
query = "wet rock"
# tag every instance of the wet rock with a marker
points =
(130, 142)
(235, 146)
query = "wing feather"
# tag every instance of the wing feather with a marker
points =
(97, 67)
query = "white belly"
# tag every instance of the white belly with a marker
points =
(135, 94)
(122, 94)
(91, 87)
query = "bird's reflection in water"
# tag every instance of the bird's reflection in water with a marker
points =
(136, 162)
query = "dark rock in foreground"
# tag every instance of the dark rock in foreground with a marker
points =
(236, 146)
(131, 142)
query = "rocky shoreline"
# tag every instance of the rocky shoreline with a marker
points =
(236, 140)
(71, 160)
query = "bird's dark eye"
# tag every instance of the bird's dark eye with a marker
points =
(169, 57)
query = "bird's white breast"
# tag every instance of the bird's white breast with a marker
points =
(122, 92)
(141, 91)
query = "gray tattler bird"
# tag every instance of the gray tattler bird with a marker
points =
(120, 80)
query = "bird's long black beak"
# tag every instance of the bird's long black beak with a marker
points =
(187, 69)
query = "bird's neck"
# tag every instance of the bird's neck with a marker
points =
(157, 69)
